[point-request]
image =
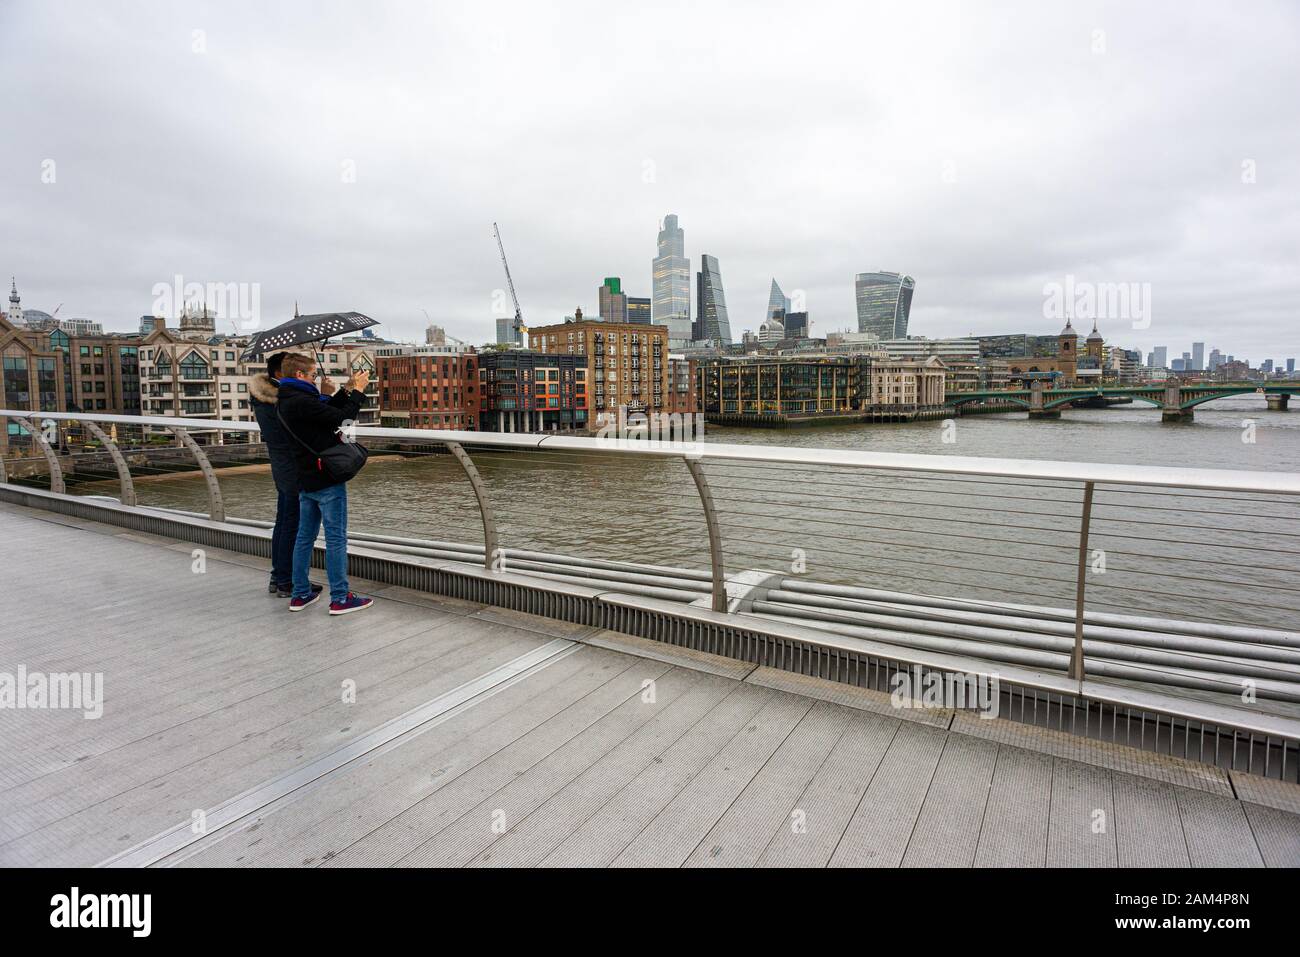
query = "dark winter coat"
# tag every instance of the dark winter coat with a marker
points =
(315, 420)
(264, 393)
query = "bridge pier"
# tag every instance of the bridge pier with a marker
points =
(1172, 410)
(1037, 409)
(1278, 403)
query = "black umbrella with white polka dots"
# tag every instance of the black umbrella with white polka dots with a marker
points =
(301, 330)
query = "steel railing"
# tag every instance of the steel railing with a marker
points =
(1170, 581)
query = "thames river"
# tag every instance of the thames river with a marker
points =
(1187, 556)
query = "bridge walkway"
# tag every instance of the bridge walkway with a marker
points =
(431, 731)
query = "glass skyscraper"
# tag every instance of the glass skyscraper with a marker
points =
(671, 291)
(777, 301)
(884, 302)
(711, 302)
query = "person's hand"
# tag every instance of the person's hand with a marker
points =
(327, 386)
(359, 380)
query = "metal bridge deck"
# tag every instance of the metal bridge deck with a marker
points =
(483, 737)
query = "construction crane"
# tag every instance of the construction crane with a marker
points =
(520, 329)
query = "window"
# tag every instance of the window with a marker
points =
(243, 387)
(193, 367)
(225, 387)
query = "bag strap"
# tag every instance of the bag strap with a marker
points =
(291, 432)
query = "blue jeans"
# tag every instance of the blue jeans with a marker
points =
(284, 535)
(329, 505)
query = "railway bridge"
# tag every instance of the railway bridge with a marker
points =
(1175, 400)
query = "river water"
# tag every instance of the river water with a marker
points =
(1218, 558)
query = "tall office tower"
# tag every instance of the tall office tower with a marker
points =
(638, 310)
(507, 334)
(711, 302)
(1161, 357)
(1290, 366)
(613, 301)
(1198, 356)
(1266, 365)
(671, 291)
(884, 301)
(777, 301)
(1216, 360)
(796, 325)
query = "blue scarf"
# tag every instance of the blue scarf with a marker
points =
(304, 386)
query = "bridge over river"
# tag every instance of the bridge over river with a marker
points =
(1176, 401)
(502, 705)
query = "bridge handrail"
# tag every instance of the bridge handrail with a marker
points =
(1200, 479)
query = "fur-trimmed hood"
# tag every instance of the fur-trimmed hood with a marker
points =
(264, 389)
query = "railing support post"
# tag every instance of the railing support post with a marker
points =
(715, 533)
(216, 508)
(123, 471)
(491, 550)
(1076, 659)
(51, 456)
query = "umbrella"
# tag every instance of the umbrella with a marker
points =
(304, 329)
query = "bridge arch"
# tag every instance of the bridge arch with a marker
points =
(1216, 394)
(956, 399)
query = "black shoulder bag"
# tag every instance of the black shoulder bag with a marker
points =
(339, 462)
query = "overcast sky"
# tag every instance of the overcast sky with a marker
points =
(987, 150)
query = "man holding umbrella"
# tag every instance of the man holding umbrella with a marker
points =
(312, 417)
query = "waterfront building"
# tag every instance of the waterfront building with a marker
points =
(32, 373)
(884, 303)
(626, 363)
(526, 390)
(429, 387)
(778, 385)
(671, 282)
(907, 384)
(681, 385)
(183, 374)
(613, 301)
(711, 303)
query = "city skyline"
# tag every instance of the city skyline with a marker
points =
(948, 169)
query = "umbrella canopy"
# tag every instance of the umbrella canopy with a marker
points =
(304, 329)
